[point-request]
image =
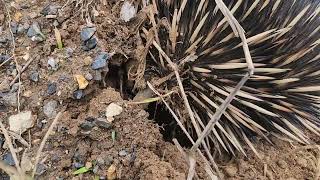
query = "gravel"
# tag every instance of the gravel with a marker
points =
(78, 94)
(87, 33)
(52, 88)
(49, 109)
(34, 76)
(100, 61)
(90, 44)
(8, 159)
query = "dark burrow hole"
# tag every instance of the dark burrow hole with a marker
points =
(168, 126)
(157, 112)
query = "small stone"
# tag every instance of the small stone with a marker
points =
(34, 76)
(50, 9)
(100, 161)
(8, 159)
(52, 88)
(5, 85)
(14, 27)
(10, 99)
(78, 94)
(87, 126)
(282, 164)
(3, 57)
(123, 153)
(69, 52)
(90, 44)
(88, 76)
(49, 109)
(108, 161)
(102, 178)
(78, 165)
(127, 11)
(20, 122)
(231, 170)
(34, 32)
(111, 172)
(88, 60)
(41, 168)
(95, 169)
(82, 81)
(86, 33)
(27, 93)
(100, 61)
(53, 64)
(103, 123)
(97, 76)
(113, 110)
(302, 162)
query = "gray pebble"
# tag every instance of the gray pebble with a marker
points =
(90, 44)
(34, 76)
(123, 153)
(98, 76)
(50, 9)
(52, 88)
(95, 169)
(53, 64)
(14, 27)
(8, 159)
(34, 30)
(78, 94)
(100, 61)
(69, 52)
(88, 76)
(87, 33)
(49, 109)
(78, 165)
(41, 168)
(10, 99)
(100, 161)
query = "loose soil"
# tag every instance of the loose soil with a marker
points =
(133, 143)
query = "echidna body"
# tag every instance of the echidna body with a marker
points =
(283, 95)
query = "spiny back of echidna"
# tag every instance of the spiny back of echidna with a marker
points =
(283, 95)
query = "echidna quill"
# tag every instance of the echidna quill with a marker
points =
(281, 98)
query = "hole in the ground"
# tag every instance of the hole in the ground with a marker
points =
(169, 128)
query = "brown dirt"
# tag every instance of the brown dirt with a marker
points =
(137, 150)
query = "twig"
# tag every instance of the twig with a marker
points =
(43, 142)
(22, 70)
(12, 150)
(13, 52)
(4, 62)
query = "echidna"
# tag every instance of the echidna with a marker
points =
(283, 95)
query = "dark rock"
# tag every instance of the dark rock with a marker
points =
(3, 58)
(41, 168)
(34, 30)
(100, 61)
(52, 88)
(50, 9)
(14, 27)
(87, 126)
(90, 44)
(3, 108)
(103, 123)
(78, 165)
(87, 33)
(8, 159)
(2, 140)
(34, 76)
(78, 94)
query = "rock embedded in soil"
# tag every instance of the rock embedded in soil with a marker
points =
(10, 99)
(82, 81)
(113, 110)
(127, 11)
(50, 9)
(41, 168)
(100, 61)
(86, 33)
(20, 122)
(90, 44)
(52, 88)
(34, 76)
(123, 153)
(103, 123)
(231, 170)
(88, 76)
(5, 85)
(52, 64)
(87, 125)
(78, 94)
(49, 109)
(34, 32)
(3, 57)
